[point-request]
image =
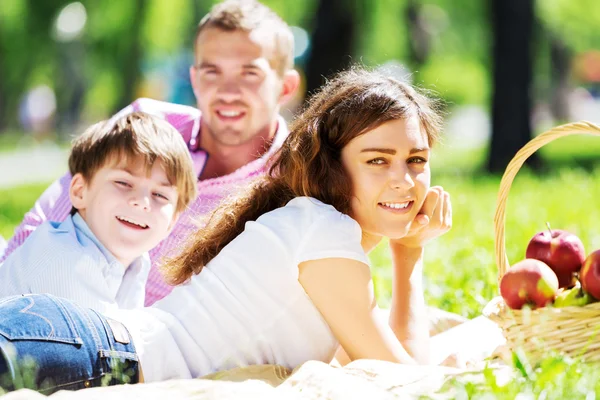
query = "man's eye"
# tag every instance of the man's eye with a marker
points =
(250, 74)
(209, 73)
(376, 161)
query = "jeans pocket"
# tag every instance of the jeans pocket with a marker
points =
(37, 317)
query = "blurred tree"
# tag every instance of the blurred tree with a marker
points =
(131, 63)
(419, 39)
(332, 41)
(512, 24)
(560, 65)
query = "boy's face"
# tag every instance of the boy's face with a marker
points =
(129, 211)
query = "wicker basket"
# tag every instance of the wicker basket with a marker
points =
(574, 331)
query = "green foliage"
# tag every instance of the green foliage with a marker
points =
(572, 21)
(457, 79)
(556, 377)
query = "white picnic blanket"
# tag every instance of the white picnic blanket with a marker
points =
(361, 379)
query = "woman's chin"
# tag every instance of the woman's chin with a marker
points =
(394, 234)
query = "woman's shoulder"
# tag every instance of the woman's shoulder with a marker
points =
(306, 211)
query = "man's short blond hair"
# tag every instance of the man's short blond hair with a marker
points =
(131, 137)
(250, 16)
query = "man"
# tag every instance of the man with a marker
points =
(243, 74)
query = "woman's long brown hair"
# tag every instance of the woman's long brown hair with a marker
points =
(309, 162)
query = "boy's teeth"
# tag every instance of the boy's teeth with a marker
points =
(230, 113)
(133, 222)
(396, 205)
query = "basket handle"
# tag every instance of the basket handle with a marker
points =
(513, 167)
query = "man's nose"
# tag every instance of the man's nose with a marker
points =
(229, 90)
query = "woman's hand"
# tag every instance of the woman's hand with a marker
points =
(433, 219)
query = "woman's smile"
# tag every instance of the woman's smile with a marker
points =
(397, 207)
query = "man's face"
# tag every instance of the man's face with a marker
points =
(238, 91)
(127, 209)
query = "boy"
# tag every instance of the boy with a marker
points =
(242, 75)
(131, 180)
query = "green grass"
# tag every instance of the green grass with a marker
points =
(14, 203)
(13, 140)
(460, 268)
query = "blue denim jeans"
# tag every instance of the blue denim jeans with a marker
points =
(49, 344)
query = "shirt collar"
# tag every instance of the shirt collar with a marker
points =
(82, 227)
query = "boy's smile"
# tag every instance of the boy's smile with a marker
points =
(129, 208)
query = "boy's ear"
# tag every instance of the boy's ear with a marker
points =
(291, 82)
(173, 222)
(77, 190)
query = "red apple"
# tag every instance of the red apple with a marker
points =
(589, 276)
(528, 282)
(560, 250)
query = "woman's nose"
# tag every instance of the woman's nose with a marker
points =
(401, 178)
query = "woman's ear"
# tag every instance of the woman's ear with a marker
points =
(77, 192)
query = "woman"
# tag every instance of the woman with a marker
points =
(279, 274)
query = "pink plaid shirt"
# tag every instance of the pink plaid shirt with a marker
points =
(54, 204)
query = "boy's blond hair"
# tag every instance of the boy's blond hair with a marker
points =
(133, 136)
(250, 16)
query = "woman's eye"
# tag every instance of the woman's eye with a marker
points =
(376, 161)
(417, 160)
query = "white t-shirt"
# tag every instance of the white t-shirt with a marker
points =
(246, 306)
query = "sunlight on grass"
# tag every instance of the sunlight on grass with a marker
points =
(460, 269)
(14, 203)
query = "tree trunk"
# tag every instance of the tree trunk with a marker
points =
(132, 61)
(560, 58)
(419, 40)
(332, 42)
(512, 22)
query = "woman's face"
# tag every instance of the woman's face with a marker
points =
(389, 170)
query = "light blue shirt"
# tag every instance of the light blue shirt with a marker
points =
(67, 260)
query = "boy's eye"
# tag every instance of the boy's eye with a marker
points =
(123, 183)
(161, 196)
(376, 161)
